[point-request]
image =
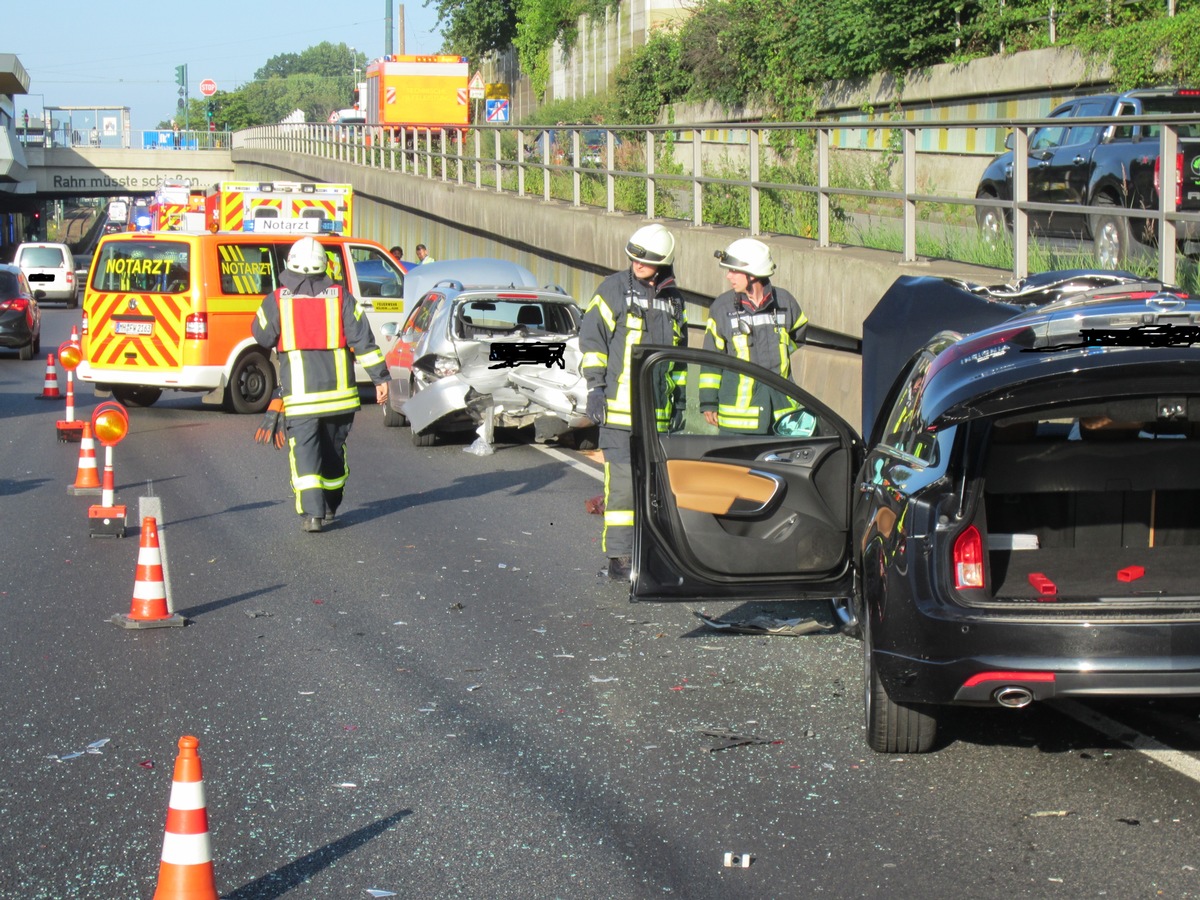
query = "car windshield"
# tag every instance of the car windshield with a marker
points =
(42, 257)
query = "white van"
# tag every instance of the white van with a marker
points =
(50, 270)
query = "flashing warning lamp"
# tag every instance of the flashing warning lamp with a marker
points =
(69, 355)
(110, 423)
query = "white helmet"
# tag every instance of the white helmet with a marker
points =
(307, 257)
(652, 245)
(749, 256)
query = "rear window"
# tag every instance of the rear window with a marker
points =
(8, 285)
(43, 258)
(150, 266)
(490, 317)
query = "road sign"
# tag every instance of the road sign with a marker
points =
(497, 110)
(496, 91)
(477, 81)
(208, 87)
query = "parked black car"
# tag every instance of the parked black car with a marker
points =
(1022, 523)
(20, 314)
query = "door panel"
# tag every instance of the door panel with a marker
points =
(726, 514)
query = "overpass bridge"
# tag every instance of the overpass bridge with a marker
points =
(62, 172)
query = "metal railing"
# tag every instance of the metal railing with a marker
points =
(784, 178)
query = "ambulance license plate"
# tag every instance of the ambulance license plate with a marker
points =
(142, 329)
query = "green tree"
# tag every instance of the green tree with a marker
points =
(473, 28)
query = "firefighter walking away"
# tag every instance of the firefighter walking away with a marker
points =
(313, 324)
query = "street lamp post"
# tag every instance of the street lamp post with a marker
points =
(353, 71)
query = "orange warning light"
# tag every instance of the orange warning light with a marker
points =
(110, 423)
(69, 355)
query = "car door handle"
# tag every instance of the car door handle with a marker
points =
(1080, 160)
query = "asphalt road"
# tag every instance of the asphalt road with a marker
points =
(439, 698)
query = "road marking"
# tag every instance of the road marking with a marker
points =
(1183, 763)
(570, 461)
(152, 506)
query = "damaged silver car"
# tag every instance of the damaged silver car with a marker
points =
(469, 358)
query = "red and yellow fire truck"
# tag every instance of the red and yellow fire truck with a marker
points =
(418, 92)
(275, 207)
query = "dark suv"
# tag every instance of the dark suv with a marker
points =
(1023, 522)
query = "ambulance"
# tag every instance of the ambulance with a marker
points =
(176, 207)
(172, 311)
(280, 207)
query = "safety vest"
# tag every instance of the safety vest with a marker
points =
(765, 336)
(623, 314)
(316, 371)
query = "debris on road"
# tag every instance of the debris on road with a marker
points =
(738, 860)
(764, 624)
(1050, 813)
(594, 505)
(735, 739)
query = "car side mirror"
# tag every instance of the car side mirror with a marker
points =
(797, 423)
(390, 329)
(389, 289)
(1008, 141)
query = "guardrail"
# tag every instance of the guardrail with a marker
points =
(787, 178)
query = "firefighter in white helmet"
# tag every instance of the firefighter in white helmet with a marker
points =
(638, 305)
(313, 323)
(757, 322)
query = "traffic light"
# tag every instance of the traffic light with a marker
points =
(181, 76)
(209, 110)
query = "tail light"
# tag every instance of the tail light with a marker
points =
(83, 328)
(1178, 178)
(196, 326)
(968, 559)
(17, 304)
(70, 279)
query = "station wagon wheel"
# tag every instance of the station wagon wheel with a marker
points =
(893, 727)
(393, 418)
(424, 438)
(251, 383)
(136, 395)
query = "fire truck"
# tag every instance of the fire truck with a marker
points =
(423, 92)
(175, 207)
(275, 207)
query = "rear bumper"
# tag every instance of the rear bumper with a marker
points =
(957, 664)
(189, 378)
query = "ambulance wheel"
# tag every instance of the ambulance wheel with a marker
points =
(251, 384)
(133, 395)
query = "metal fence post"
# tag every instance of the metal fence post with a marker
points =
(755, 228)
(823, 205)
(910, 188)
(650, 183)
(697, 173)
(1168, 197)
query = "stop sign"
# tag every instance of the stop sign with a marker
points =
(208, 87)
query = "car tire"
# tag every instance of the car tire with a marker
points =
(587, 438)
(26, 352)
(136, 395)
(73, 301)
(251, 384)
(393, 418)
(893, 727)
(37, 345)
(992, 223)
(1111, 236)
(424, 438)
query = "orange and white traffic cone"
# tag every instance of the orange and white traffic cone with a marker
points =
(149, 606)
(50, 389)
(87, 476)
(186, 870)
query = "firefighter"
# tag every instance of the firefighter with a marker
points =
(313, 324)
(639, 305)
(757, 322)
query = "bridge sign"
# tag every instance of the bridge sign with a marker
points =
(208, 87)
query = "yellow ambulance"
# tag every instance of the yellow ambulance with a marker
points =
(172, 311)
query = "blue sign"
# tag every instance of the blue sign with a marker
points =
(496, 110)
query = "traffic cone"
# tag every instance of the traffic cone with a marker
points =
(149, 606)
(186, 870)
(87, 476)
(50, 389)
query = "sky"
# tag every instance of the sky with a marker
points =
(117, 53)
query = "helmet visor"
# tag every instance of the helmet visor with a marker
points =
(638, 252)
(730, 262)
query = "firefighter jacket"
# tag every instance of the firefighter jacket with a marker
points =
(765, 335)
(313, 327)
(624, 313)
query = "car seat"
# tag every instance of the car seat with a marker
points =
(530, 315)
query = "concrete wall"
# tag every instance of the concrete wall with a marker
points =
(576, 248)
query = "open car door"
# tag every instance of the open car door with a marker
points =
(753, 513)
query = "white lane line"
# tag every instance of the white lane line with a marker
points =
(571, 461)
(1183, 763)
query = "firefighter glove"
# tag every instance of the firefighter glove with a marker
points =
(270, 430)
(596, 406)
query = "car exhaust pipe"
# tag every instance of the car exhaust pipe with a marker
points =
(1013, 697)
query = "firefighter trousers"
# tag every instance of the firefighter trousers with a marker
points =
(618, 493)
(317, 455)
